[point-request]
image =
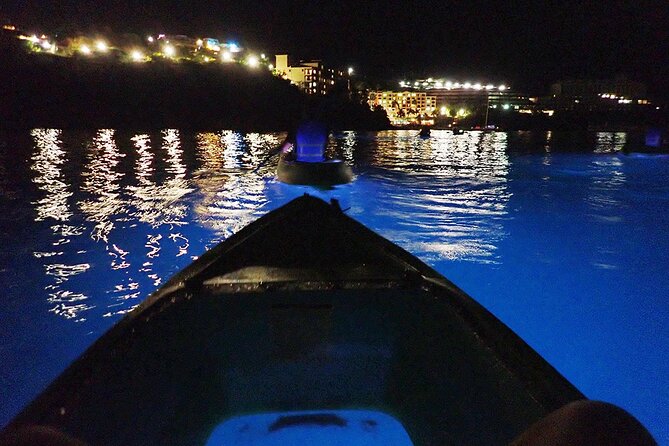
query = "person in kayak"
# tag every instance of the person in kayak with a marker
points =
(311, 140)
(307, 144)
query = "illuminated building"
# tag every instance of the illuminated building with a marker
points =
(405, 107)
(180, 41)
(473, 97)
(311, 76)
(212, 44)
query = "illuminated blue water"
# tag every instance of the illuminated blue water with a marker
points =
(559, 235)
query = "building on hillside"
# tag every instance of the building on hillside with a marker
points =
(310, 76)
(461, 99)
(619, 94)
(179, 41)
(445, 102)
(588, 88)
(405, 107)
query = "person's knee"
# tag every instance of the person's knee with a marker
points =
(587, 423)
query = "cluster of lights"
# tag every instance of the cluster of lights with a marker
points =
(226, 55)
(100, 46)
(226, 52)
(449, 85)
(42, 42)
(461, 113)
(621, 99)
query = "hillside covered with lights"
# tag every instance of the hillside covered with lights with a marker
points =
(40, 89)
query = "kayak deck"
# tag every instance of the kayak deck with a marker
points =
(304, 310)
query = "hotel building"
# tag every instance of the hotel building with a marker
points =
(405, 107)
(311, 76)
(445, 102)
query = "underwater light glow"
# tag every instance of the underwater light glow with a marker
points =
(333, 427)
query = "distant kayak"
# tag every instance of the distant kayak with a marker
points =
(305, 322)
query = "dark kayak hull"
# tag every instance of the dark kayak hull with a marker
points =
(303, 310)
(329, 172)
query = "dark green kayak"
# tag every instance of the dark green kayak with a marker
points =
(323, 173)
(308, 317)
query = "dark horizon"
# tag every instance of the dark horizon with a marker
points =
(528, 46)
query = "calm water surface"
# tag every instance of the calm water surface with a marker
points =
(559, 235)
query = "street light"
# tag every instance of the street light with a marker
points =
(137, 56)
(101, 46)
(350, 71)
(252, 61)
(169, 50)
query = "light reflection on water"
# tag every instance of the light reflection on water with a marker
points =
(53, 206)
(553, 232)
(451, 198)
(46, 163)
(608, 142)
(232, 195)
(101, 181)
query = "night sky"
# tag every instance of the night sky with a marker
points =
(528, 44)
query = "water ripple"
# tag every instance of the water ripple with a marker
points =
(463, 192)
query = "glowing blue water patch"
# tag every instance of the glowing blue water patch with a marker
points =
(311, 140)
(327, 428)
(654, 138)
